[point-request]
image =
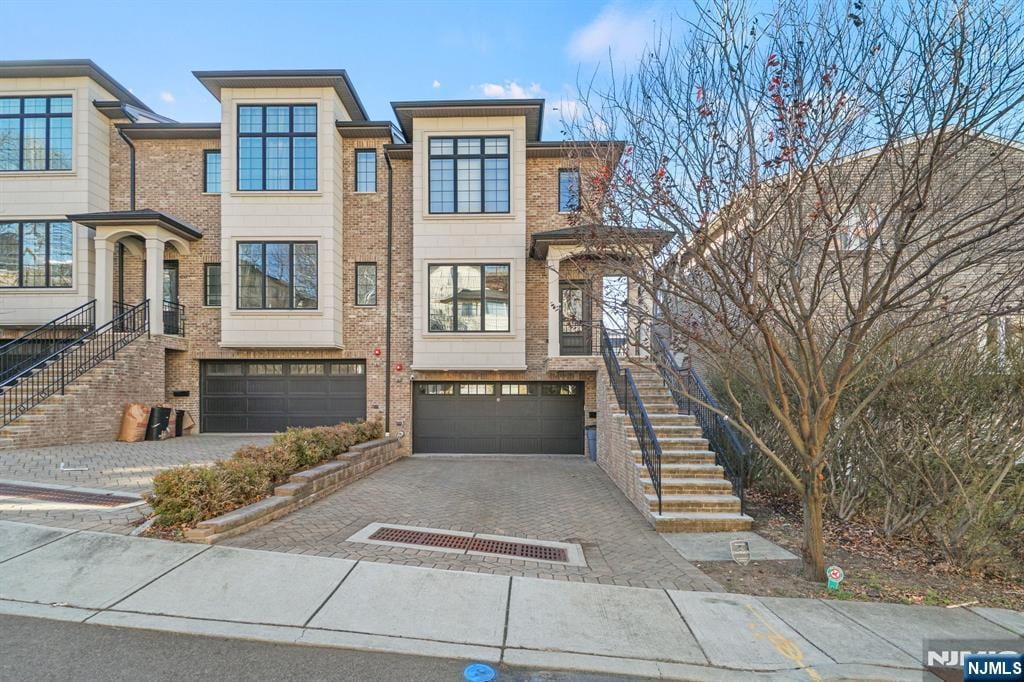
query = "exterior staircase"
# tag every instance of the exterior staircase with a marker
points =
(695, 494)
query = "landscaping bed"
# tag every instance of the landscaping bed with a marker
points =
(901, 570)
(259, 484)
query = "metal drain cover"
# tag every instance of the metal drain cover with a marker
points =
(521, 550)
(65, 496)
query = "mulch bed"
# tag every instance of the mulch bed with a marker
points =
(901, 570)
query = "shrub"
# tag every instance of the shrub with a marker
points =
(184, 496)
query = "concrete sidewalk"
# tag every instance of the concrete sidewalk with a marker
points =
(287, 598)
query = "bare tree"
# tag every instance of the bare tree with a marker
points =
(837, 180)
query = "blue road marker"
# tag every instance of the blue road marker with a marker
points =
(478, 672)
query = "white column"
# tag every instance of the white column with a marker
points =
(155, 284)
(554, 337)
(104, 282)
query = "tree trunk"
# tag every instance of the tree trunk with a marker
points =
(814, 541)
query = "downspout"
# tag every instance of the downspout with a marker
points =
(131, 168)
(387, 313)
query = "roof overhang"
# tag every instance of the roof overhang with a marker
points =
(171, 131)
(398, 151)
(365, 129)
(141, 218)
(69, 68)
(570, 148)
(533, 109)
(215, 81)
(602, 236)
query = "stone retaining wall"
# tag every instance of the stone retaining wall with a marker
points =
(615, 439)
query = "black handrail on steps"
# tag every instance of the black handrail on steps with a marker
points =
(53, 373)
(32, 346)
(628, 397)
(732, 452)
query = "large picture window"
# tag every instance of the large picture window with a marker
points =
(469, 298)
(36, 254)
(469, 175)
(277, 275)
(35, 133)
(276, 147)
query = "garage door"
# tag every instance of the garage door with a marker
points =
(271, 395)
(498, 417)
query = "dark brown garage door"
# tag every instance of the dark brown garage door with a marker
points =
(271, 395)
(498, 417)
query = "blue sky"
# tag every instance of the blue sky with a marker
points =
(392, 50)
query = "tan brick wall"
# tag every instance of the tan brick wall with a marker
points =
(614, 440)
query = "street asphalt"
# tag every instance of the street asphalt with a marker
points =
(37, 649)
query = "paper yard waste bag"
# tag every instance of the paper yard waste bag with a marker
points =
(133, 423)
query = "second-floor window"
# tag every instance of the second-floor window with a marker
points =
(277, 275)
(468, 298)
(35, 133)
(469, 175)
(36, 254)
(211, 171)
(366, 170)
(277, 147)
(211, 284)
(366, 284)
(568, 190)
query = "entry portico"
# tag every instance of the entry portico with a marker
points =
(145, 233)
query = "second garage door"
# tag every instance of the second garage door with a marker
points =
(271, 395)
(498, 417)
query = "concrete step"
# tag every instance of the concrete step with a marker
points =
(685, 502)
(700, 522)
(675, 486)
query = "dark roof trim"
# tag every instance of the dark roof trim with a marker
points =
(560, 148)
(336, 78)
(65, 68)
(143, 216)
(399, 151)
(607, 234)
(406, 112)
(172, 131)
(366, 129)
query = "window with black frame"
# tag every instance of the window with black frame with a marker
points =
(277, 275)
(568, 190)
(35, 133)
(469, 298)
(366, 170)
(211, 171)
(469, 174)
(277, 147)
(211, 284)
(366, 284)
(36, 254)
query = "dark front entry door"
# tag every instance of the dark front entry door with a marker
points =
(171, 317)
(498, 417)
(574, 319)
(271, 395)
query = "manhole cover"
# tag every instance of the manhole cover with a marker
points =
(33, 492)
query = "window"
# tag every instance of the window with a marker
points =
(307, 370)
(858, 228)
(561, 389)
(35, 133)
(436, 389)
(519, 389)
(36, 254)
(277, 147)
(277, 275)
(347, 368)
(468, 298)
(568, 190)
(224, 369)
(211, 284)
(211, 171)
(469, 175)
(476, 389)
(266, 370)
(366, 170)
(366, 284)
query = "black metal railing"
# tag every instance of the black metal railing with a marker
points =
(732, 451)
(628, 397)
(174, 318)
(44, 340)
(53, 373)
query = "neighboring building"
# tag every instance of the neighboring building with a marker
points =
(302, 264)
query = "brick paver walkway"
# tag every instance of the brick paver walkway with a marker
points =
(124, 467)
(561, 499)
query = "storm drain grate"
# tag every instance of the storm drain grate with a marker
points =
(66, 496)
(522, 550)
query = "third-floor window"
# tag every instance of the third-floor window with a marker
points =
(469, 175)
(277, 147)
(35, 133)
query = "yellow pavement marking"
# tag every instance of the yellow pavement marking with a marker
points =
(784, 645)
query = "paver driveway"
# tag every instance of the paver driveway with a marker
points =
(122, 467)
(566, 499)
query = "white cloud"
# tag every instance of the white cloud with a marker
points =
(167, 97)
(622, 34)
(511, 90)
(567, 109)
(435, 84)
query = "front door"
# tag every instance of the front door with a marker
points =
(574, 319)
(172, 319)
